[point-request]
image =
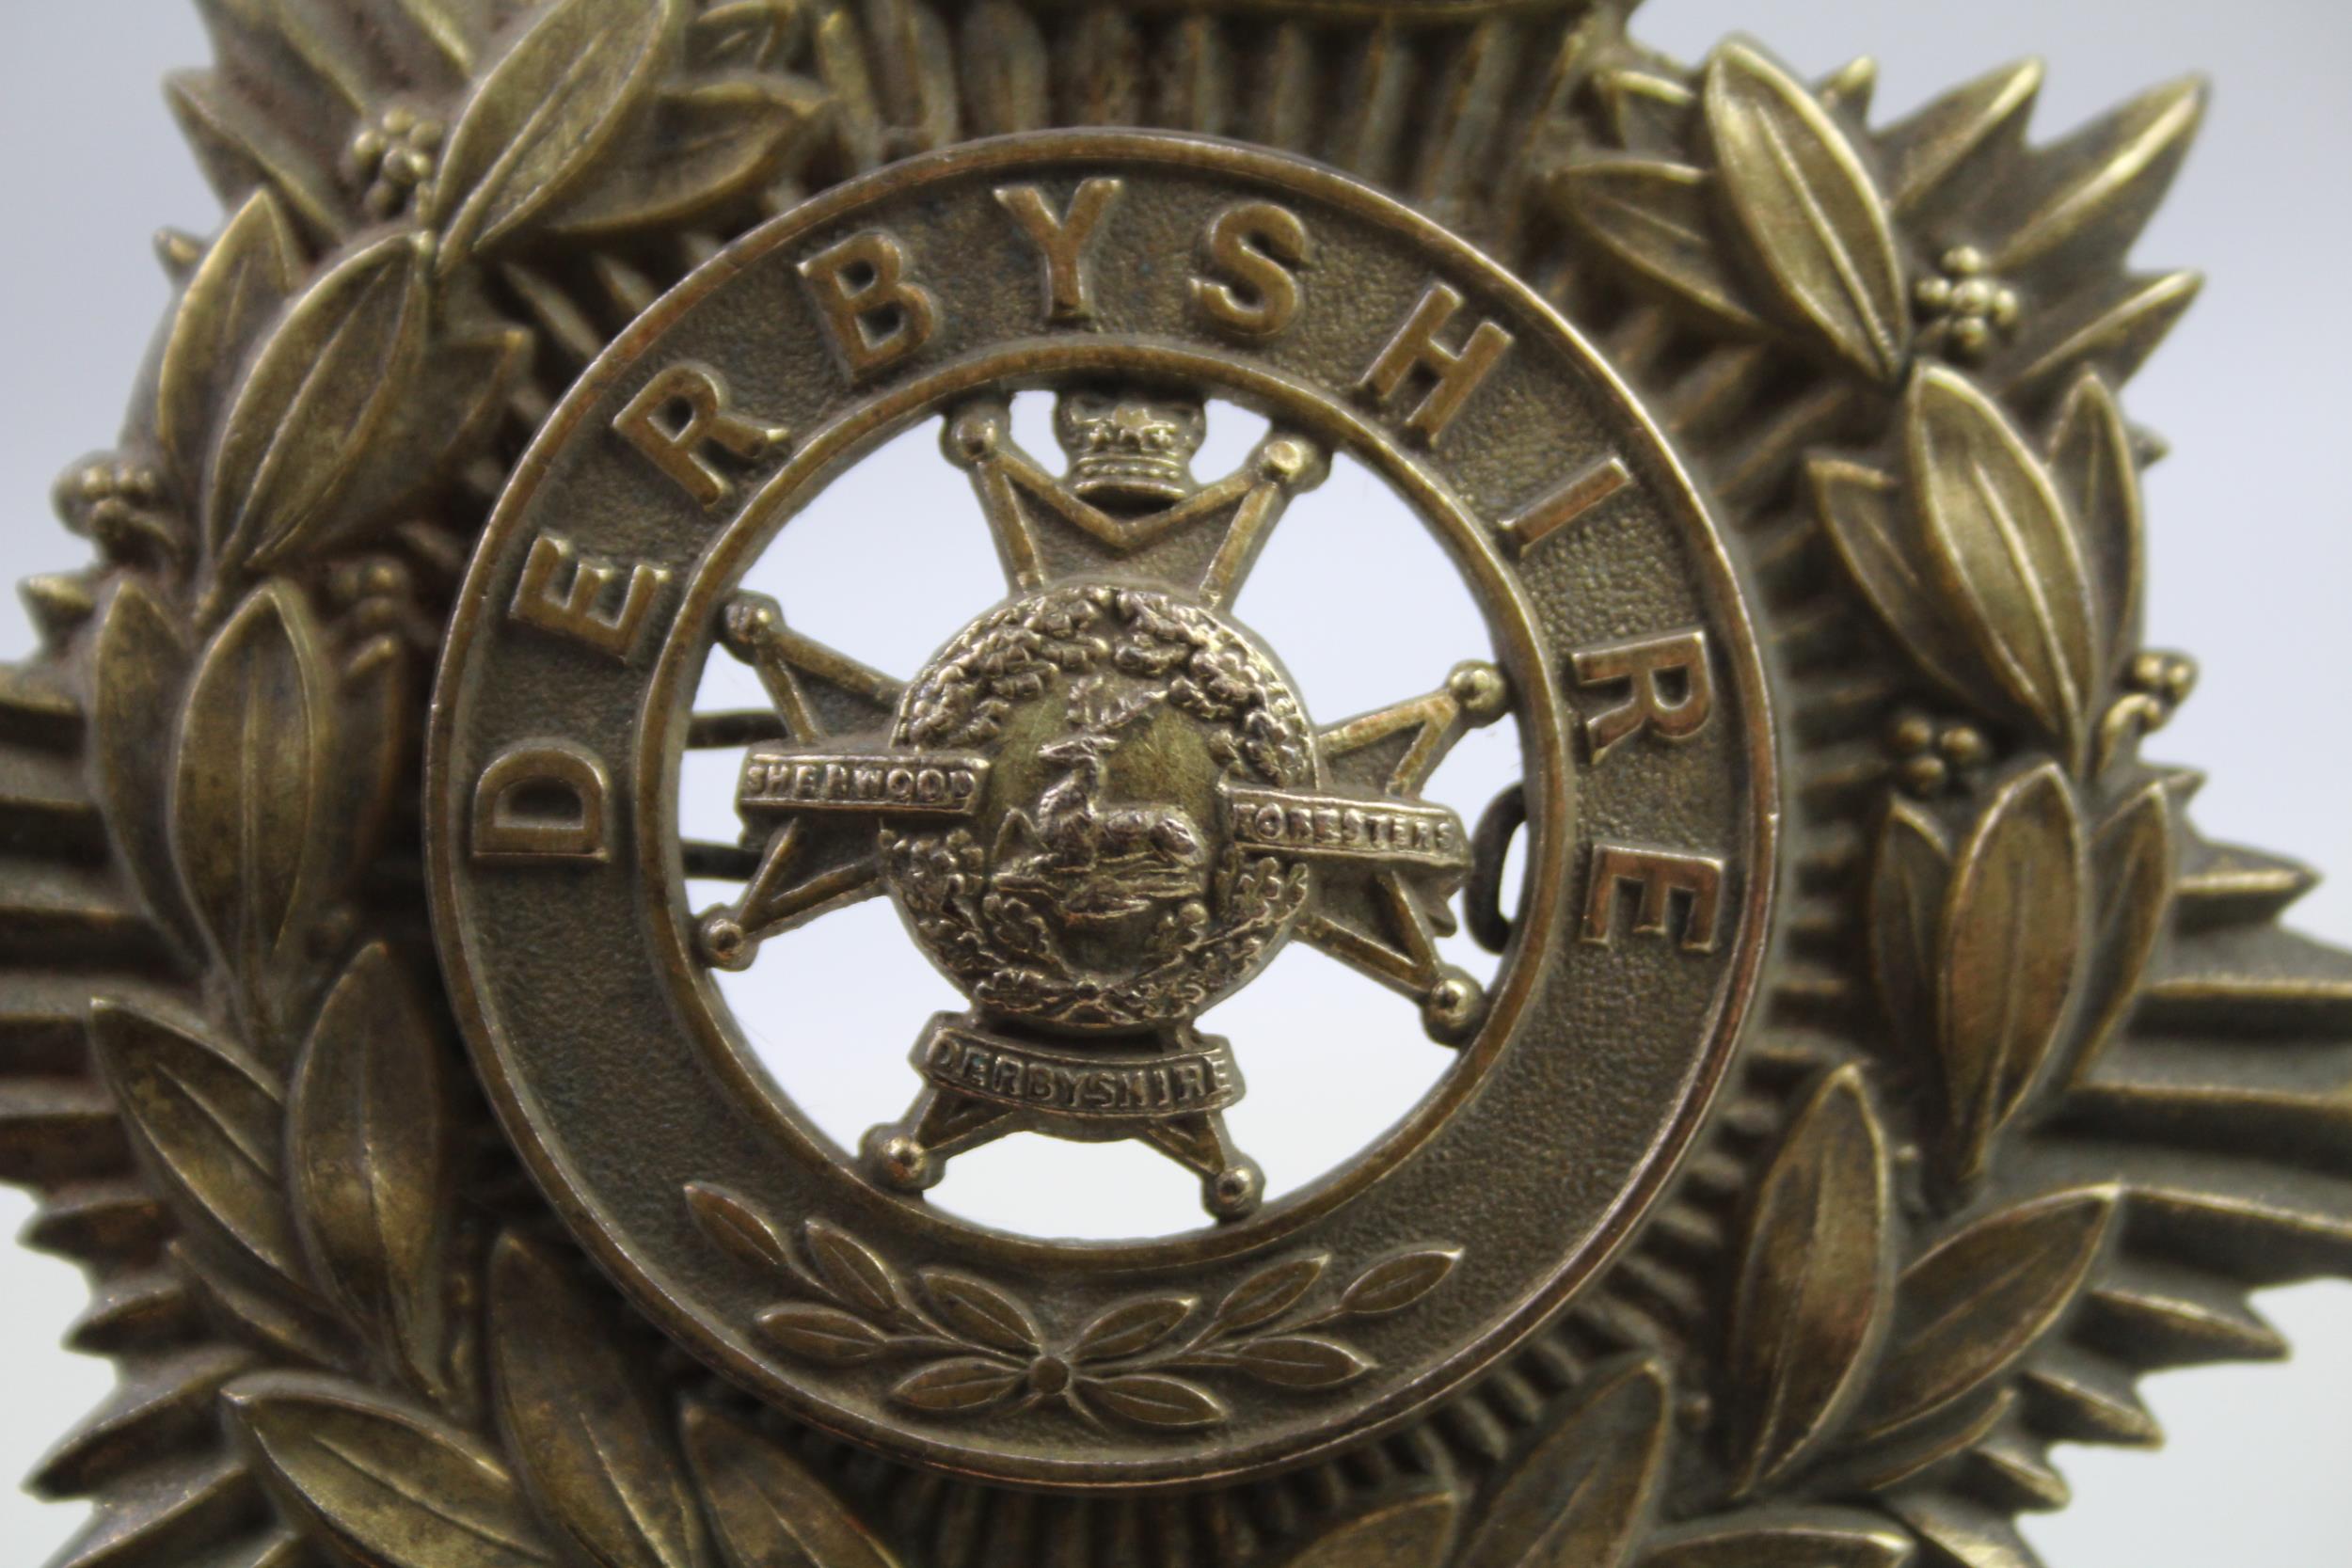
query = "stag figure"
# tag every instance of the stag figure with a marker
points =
(1094, 862)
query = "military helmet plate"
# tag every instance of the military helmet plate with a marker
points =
(1102, 805)
(1822, 1080)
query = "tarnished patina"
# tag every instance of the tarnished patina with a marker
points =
(1857, 1102)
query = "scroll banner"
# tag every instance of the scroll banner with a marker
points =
(1348, 827)
(917, 784)
(1085, 1086)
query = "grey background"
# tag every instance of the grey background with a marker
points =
(2249, 551)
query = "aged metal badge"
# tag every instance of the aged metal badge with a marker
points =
(1100, 807)
(1859, 1101)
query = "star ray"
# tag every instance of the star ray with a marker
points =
(803, 872)
(1395, 965)
(1045, 530)
(817, 691)
(1396, 749)
(810, 864)
(1383, 918)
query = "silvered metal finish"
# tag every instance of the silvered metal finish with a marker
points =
(1878, 1074)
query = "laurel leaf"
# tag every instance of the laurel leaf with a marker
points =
(1646, 111)
(546, 116)
(982, 1311)
(825, 1334)
(242, 151)
(2110, 329)
(1151, 1399)
(141, 668)
(1928, 151)
(707, 146)
(1810, 1305)
(244, 279)
(2098, 477)
(2004, 553)
(1413, 1532)
(1132, 1327)
(588, 1432)
(740, 1230)
(448, 27)
(302, 46)
(2012, 935)
(2084, 201)
(386, 1485)
(1393, 1284)
(341, 360)
(1784, 1538)
(1972, 1307)
(743, 35)
(918, 75)
(1658, 218)
(250, 766)
(369, 1141)
(1899, 1458)
(213, 1119)
(1271, 1291)
(1909, 879)
(1807, 202)
(290, 1334)
(1887, 555)
(838, 48)
(953, 1387)
(855, 1270)
(369, 771)
(1581, 1496)
(462, 393)
(1850, 88)
(1301, 1361)
(2131, 880)
(769, 1511)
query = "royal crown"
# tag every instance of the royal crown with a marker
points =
(1129, 448)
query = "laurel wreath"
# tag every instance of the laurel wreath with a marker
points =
(321, 392)
(980, 1349)
(2011, 925)
(1940, 316)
